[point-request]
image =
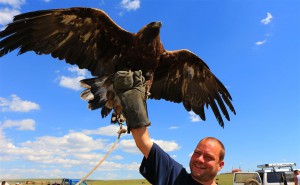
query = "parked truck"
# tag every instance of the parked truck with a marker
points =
(268, 174)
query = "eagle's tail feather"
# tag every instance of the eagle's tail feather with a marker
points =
(96, 94)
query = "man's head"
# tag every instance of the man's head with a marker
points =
(296, 172)
(207, 160)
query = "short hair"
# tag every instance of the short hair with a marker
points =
(222, 152)
(296, 171)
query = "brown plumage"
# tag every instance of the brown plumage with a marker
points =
(90, 39)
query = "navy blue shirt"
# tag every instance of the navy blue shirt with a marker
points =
(160, 169)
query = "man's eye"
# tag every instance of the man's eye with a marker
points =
(197, 153)
(209, 158)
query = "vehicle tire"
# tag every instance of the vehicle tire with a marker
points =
(251, 182)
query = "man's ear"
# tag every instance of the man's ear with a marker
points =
(221, 164)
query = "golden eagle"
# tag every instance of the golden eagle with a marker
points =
(90, 39)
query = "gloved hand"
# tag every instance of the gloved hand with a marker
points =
(131, 90)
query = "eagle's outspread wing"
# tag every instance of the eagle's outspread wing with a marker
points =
(90, 39)
(181, 76)
(83, 36)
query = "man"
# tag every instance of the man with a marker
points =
(157, 166)
(297, 177)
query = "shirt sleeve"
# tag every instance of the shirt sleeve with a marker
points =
(159, 168)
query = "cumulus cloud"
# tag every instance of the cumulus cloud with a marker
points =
(9, 10)
(194, 117)
(130, 4)
(7, 14)
(73, 82)
(130, 146)
(79, 72)
(16, 104)
(13, 3)
(167, 146)
(25, 124)
(110, 130)
(268, 19)
(74, 149)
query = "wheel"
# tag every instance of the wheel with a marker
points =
(251, 182)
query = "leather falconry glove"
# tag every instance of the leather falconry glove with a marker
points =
(131, 90)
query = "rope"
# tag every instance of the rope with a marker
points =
(121, 131)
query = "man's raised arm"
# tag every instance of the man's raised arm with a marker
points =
(142, 139)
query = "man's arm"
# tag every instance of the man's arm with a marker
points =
(131, 90)
(142, 139)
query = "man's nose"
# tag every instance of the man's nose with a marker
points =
(200, 158)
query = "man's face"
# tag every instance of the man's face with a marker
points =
(205, 162)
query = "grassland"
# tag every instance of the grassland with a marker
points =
(222, 179)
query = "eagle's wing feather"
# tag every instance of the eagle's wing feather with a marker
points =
(182, 76)
(83, 36)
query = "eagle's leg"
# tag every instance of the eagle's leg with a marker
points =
(148, 84)
(117, 118)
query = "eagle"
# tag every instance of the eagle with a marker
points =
(90, 39)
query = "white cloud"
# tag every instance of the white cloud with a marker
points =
(167, 146)
(265, 21)
(194, 117)
(110, 130)
(173, 127)
(13, 3)
(7, 14)
(80, 72)
(72, 150)
(130, 4)
(268, 19)
(73, 82)
(258, 43)
(25, 124)
(17, 105)
(130, 146)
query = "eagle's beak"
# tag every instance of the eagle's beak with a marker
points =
(159, 24)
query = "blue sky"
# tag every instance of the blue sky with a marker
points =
(253, 47)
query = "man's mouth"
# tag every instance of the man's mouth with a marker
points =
(200, 166)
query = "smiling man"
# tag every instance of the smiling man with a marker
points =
(157, 166)
(160, 169)
(207, 160)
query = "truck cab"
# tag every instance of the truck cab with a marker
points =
(277, 173)
(269, 174)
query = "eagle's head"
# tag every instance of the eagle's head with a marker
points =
(150, 32)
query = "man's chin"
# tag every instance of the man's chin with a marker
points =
(197, 171)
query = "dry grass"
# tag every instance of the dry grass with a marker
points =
(222, 179)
